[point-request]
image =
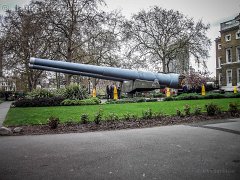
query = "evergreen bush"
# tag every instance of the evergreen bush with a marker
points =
(84, 118)
(53, 122)
(212, 109)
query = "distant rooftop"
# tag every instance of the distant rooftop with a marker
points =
(230, 24)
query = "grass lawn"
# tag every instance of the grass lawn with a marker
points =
(39, 115)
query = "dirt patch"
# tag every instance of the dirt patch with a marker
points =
(116, 125)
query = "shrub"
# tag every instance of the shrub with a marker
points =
(232, 95)
(209, 95)
(179, 113)
(112, 117)
(139, 99)
(151, 100)
(84, 118)
(188, 96)
(127, 116)
(121, 101)
(69, 122)
(38, 102)
(187, 110)
(169, 99)
(135, 117)
(158, 115)
(39, 93)
(214, 96)
(197, 111)
(59, 92)
(147, 114)
(53, 122)
(158, 95)
(98, 116)
(212, 109)
(90, 101)
(54, 101)
(96, 100)
(233, 108)
(75, 92)
(131, 100)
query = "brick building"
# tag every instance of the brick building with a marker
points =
(228, 54)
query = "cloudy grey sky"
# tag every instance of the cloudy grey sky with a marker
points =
(210, 11)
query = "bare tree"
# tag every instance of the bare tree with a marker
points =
(24, 35)
(159, 36)
(71, 30)
(104, 48)
(72, 21)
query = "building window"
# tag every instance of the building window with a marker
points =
(219, 46)
(228, 37)
(219, 79)
(238, 53)
(229, 55)
(238, 34)
(229, 77)
(238, 76)
(219, 62)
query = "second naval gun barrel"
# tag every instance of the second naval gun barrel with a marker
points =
(170, 80)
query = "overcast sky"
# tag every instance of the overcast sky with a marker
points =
(210, 11)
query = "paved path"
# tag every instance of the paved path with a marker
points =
(198, 151)
(4, 107)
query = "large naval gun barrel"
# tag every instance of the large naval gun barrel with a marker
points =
(132, 80)
(32, 66)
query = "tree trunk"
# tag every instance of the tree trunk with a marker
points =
(164, 65)
(30, 86)
(69, 59)
(58, 80)
(68, 79)
(94, 82)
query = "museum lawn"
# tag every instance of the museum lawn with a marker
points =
(40, 115)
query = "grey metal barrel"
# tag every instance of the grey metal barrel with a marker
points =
(170, 80)
(32, 66)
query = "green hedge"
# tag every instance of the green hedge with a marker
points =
(39, 102)
(194, 96)
(131, 100)
(54, 101)
(90, 101)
